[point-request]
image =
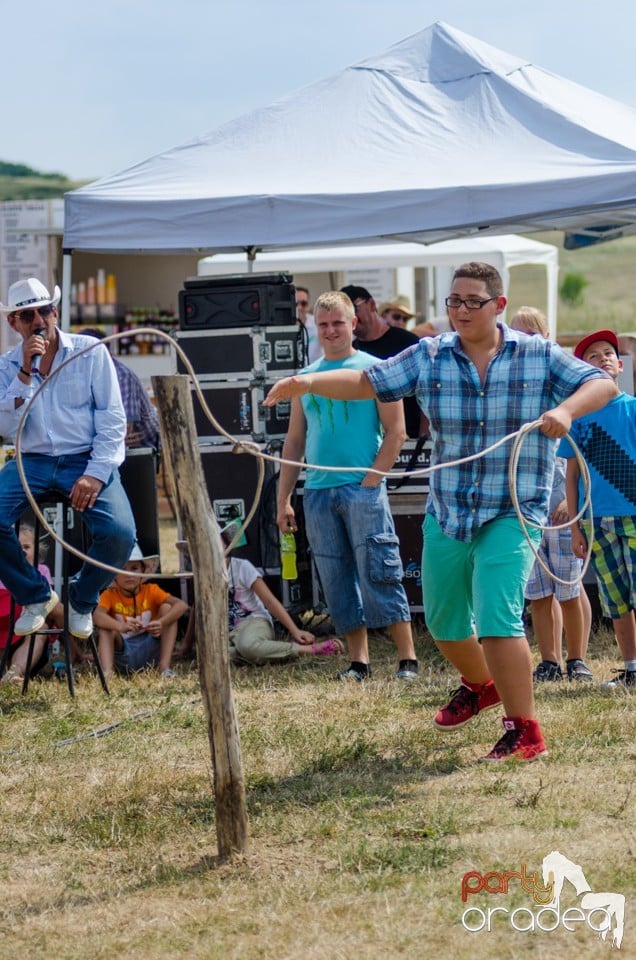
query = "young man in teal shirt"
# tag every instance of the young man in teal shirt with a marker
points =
(348, 521)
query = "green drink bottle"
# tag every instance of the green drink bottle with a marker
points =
(288, 556)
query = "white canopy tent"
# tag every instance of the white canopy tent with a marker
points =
(439, 136)
(503, 252)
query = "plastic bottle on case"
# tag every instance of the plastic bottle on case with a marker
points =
(288, 556)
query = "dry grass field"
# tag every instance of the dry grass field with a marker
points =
(363, 818)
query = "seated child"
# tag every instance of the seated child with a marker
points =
(252, 607)
(137, 622)
(17, 664)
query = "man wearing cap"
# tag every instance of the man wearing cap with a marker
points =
(376, 336)
(72, 444)
(607, 440)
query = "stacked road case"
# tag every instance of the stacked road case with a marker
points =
(240, 335)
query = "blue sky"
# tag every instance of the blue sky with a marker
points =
(93, 88)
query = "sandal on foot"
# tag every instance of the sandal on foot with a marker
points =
(327, 648)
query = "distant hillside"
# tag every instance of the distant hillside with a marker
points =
(21, 182)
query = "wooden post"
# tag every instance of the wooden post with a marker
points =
(200, 529)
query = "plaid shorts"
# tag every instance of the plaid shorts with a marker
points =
(556, 552)
(614, 562)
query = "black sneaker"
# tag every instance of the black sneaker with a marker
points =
(577, 670)
(547, 670)
(352, 674)
(407, 670)
(623, 678)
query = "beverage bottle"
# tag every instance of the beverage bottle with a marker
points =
(101, 286)
(111, 288)
(288, 556)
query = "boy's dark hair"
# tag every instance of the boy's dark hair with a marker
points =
(474, 270)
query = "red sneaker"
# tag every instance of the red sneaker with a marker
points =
(522, 740)
(465, 703)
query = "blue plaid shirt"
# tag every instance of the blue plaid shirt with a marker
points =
(527, 377)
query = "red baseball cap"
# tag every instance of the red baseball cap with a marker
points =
(591, 338)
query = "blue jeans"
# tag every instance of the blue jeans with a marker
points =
(138, 653)
(356, 551)
(110, 523)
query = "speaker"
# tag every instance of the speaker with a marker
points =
(138, 475)
(237, 301)
(407, 510)
(242, 352)
(232, 480)
(238, 407)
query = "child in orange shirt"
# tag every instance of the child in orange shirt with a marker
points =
(137, 622)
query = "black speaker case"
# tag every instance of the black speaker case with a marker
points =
(231, 480)
(407, 510)
(237, 301)
(259, 351)
(238, 407)
(138, 475)
(418, 484)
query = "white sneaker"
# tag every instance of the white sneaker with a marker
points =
(79, 624)
(33, 616)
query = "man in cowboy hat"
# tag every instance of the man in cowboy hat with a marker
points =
(72, 444)
(396, 312)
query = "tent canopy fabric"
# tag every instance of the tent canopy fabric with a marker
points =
(502, 252)
(507, 250)
(441, 135)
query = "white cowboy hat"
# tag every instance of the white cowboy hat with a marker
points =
(137, 556)
(29, 293)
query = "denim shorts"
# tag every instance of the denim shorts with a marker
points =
(356, 552)
(138, 653)
(476, 587)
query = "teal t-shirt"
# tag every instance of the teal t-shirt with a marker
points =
(340, 433)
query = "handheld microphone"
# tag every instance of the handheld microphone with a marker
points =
(36, 358)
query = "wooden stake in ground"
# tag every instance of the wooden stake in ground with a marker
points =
(200, 529)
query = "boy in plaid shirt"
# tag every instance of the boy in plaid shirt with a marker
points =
(475, 385)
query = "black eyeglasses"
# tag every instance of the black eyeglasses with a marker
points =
(471, 303)
(29, 315)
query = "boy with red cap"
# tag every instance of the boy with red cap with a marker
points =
(607, 440)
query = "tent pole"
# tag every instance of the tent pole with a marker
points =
(251, 257)
(67, 265)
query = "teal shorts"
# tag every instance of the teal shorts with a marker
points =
(476, 587)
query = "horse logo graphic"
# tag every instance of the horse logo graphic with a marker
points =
(557, 868)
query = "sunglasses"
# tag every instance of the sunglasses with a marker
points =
(397, 316)
(302, 303)
(29, 315)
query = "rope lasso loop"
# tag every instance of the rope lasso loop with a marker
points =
(513, 466)
(252, 449)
